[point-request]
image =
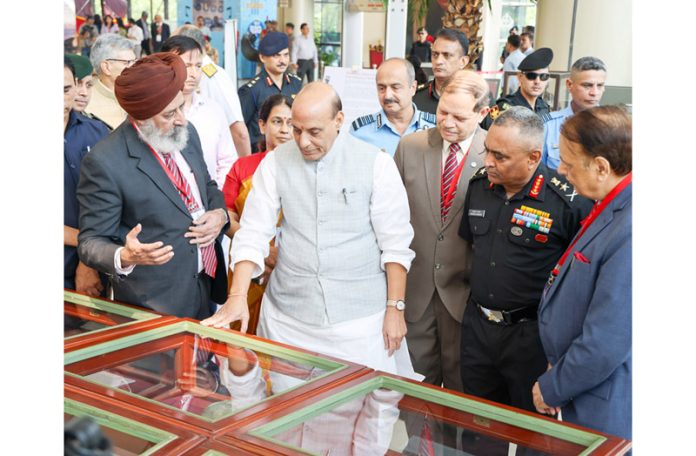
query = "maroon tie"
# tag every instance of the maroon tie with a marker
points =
(447, 176)
(208, 253)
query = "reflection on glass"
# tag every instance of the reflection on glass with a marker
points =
(126, 436)
(395, 417)
(195, 374)
(80, 319)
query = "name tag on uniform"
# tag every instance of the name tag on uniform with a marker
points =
(477, 213)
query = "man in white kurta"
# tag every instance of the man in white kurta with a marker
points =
(339, 281)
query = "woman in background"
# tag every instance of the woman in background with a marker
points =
(275, 124)
(109, 26)
(585, 310)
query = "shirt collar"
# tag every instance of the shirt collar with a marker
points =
(382, 120)
(104, 90)
(464, 145)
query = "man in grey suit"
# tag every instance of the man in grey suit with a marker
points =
(149, 212)
(435, 166)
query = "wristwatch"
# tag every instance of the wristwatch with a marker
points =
(399, 304)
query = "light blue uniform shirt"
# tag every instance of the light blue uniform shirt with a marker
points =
(551, 156)
(377, 130)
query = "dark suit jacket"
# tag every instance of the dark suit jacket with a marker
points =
(122, 184)
(145, 43)
(442, 257)
(585, 326)
(157, 45)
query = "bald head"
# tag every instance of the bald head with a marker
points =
(316, 119)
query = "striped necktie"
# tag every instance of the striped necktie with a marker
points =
(447, 176)
(208, 253)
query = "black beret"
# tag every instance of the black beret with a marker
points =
(273, 43)
(541, 58)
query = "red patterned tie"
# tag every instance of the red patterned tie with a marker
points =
(208, 253)
(447, 176)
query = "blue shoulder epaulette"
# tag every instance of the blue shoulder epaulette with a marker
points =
(362, 121)
(429, 117)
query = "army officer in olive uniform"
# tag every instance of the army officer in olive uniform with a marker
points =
(519, 217)
(272, 79)
(533, 76)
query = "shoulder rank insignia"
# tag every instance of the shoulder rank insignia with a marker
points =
(293, 75)
(421, 87)
(564, 189)
(253, 81)
(362, 121)
(209, 70)
(481, 173)
(428, 117)
(495, 112)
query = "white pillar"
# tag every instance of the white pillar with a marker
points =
(491, 34)
(352, 38)
(395, 45)
(601, 29)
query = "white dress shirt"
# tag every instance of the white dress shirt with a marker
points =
(304, 49)
(220, 88)
(389, 213)
(216, 141)
(187, 174)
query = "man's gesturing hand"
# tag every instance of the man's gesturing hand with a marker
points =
(207, 227)
(136, 253)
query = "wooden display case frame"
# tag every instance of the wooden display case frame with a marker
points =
(168, 439)
(485, 417)
(96, 357)
(142, 319)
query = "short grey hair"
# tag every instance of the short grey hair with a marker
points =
(529, 124)
(588, 63)
(410, 71)
(106, 46)
(192, 32)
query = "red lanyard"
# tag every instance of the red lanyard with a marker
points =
(447, 197)
(594, 213)
(181, 186)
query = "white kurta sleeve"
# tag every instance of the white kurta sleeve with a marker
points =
(390, 214)
(259, 219)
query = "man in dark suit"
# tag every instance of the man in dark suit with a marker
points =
(160, 33)
(150, 214)
(438, 282)
(146, 42)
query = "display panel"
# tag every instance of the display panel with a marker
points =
(382, 414)
(85, 314)
(127, 437)
(200, 375)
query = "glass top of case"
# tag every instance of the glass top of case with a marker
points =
(126, 436)
(385, 415)
(204, 372)
(84, 314)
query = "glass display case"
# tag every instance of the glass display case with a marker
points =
(205, 378)
(87, 316)
(127, 432)
(382, 414)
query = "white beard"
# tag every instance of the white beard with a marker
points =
(176, 139)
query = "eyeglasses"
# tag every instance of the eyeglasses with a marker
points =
(532, 76)
(126, 62)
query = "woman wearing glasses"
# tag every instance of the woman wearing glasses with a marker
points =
(533, 77)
